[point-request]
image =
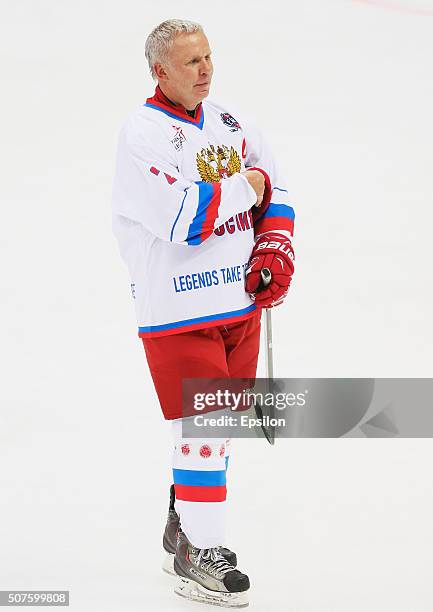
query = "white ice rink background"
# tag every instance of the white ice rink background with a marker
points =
(344, 92)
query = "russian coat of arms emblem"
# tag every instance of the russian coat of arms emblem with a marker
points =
(217, 162)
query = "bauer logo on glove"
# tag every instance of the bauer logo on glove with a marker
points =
(273, 251)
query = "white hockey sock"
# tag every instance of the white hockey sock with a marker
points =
(199, 475)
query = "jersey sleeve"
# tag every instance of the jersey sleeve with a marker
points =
(149, 189)
(279, 215)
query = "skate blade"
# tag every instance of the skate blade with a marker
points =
(168, 564)
(196, 592)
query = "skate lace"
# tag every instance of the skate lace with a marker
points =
(211, 560)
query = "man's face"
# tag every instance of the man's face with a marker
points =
(186, 75)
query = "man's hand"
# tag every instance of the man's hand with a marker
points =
(257, 182)
(273, 251)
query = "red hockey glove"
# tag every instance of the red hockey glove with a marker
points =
(275, 252)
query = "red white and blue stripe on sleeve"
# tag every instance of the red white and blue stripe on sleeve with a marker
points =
(202, 225)
(278, 216)
(209, 200)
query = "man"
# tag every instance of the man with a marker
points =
(199, 210)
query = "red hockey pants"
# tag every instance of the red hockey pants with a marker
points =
(216, 352)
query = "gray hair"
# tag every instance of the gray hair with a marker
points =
(161, 38)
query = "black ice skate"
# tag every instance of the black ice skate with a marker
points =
(205, 575)
(170, 539)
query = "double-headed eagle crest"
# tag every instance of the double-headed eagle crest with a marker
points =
(216, 163)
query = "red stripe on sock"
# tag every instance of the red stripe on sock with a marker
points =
(200, 494)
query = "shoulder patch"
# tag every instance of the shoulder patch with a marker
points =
(230, 121)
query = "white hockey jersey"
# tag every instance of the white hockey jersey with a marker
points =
(183, 213)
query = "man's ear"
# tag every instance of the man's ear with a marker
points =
(160, 71)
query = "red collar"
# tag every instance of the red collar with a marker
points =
(160, 100)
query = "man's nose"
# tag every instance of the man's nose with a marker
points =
(205, 66)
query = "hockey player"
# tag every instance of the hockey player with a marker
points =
(199, 210)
